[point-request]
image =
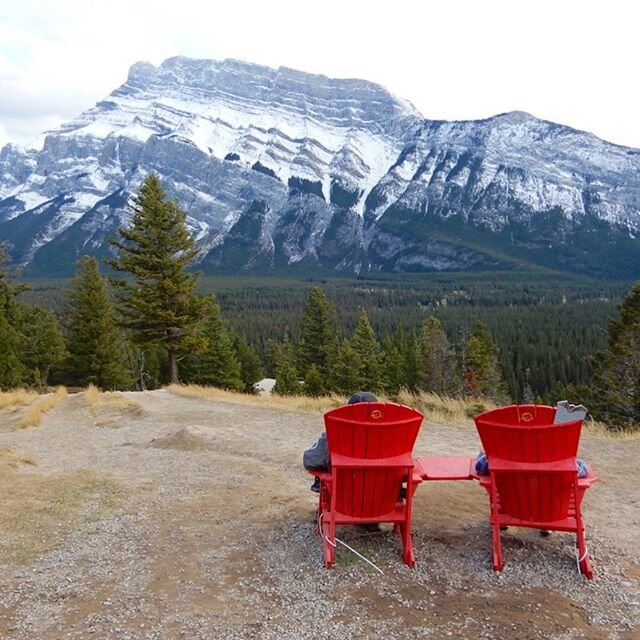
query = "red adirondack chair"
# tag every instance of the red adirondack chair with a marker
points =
(370, 446)
(532, 479)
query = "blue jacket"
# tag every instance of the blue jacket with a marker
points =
(316, 457)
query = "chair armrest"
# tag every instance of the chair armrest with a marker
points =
(320, 473)
(556, 466)
(588, 480)
(341, 461)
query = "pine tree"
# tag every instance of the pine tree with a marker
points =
(411, 360)
(437, 366)
(617, 370)
(12, 371)
(368, 356)
(318, 334)
(314, 384)
(217, 364)
(43, 345)
(94, 341)
(527, 391)
(482, 374)
(344, 370)
(392, 366)
(286, 374)
(250, 365)
(160, 306)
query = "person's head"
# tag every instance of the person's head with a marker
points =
(362, 396)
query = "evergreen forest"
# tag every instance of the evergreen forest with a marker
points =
(547, 328)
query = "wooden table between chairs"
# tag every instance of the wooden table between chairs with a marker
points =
(445, 468)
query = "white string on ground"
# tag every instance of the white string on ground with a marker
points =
(579, 559)
(344, 544)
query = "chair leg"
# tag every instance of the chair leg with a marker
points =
(497, 562)
(408, 555)
(324, 502)
(328, 543)
(330, 539)
(329, 554)
(584, 562)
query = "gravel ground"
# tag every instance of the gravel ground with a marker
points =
(210, 534)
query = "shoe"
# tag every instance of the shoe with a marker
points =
(503, 527)
(370, 527)
(315, 487)
(544, 533)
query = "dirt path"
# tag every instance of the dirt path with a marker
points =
(188, 518)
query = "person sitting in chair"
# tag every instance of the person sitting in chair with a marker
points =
(316, 457)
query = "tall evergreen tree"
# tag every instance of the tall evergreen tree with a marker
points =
(94, 340)
(369, 359)
(318, 335)
(437, 364)
(482, 374)
(12, 371)
(617, 370)
(160, 306)
(527, 391)
(411, 360)
(392, 366)
(314, 385)
(344, 376)
(286, 374)
(250, 365)
(43, 345)
(217, 364)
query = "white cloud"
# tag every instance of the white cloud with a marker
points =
(4, 135)
(569, 62)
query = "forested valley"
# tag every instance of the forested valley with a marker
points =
(506, 336)
(546, 327)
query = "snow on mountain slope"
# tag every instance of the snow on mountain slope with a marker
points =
(292, 123)
(300, 169)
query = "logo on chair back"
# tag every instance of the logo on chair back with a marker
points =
(526, 416)
(376, 414)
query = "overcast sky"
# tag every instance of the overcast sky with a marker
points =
(572, 62)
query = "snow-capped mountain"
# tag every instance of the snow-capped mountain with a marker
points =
(279, 169)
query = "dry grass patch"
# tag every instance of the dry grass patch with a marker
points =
(98, 401)
(288, 403)
(36, 512)
(435, 408)
(17, 398)
(33, 416)
(443, 409)
(10, 460)
(600, 430)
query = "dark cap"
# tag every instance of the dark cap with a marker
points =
(362, 396)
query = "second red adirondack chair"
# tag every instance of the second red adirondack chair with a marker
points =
(370, 445)
(532, 479)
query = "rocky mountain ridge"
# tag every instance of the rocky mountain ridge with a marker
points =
(283, 170)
